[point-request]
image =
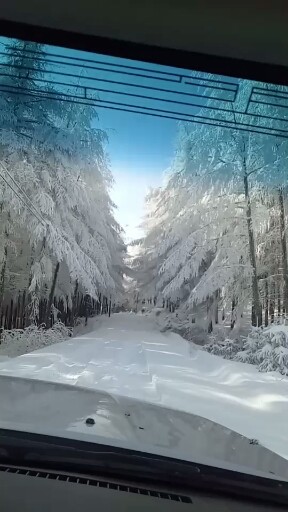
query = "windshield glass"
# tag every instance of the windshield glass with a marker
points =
(143, 245)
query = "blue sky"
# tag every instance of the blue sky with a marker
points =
(140, 148)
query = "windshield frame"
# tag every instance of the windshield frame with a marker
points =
(238, 68)
(187, 60)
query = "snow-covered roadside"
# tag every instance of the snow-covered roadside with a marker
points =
(128, 356)
(264, 347)
(17, 342)
(23, 341)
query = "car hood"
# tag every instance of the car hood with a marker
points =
(61, 410)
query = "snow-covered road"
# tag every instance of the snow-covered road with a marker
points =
(127, 355)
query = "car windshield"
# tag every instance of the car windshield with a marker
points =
(143, 243)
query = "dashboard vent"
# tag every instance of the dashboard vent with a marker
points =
(96, 483)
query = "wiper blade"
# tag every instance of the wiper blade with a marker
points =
(62, 454)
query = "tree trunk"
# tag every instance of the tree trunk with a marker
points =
(256, 316)
(10, 318)
(23, 311)
(4, 265)
(210, 327)
(272, 303)
(266, 304)
(2, 276)
(233, 314)
(209, 315)
(18, 312)
(283, 249)
(51, 295)
(278, 298)
(6, 317)
(216, 302)
(74, 304)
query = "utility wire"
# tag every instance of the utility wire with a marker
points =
(21, 191)
(35, 213)
(22, 200)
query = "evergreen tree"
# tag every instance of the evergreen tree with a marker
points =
(57, 186)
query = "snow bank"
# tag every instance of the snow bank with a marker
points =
(22, 341)
(266, 348)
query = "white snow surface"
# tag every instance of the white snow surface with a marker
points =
(127, 355)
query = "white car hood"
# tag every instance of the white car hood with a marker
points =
(61, 410)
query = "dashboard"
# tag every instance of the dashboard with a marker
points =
(24, 490)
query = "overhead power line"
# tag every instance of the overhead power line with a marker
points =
(18, 193)
(22, 192)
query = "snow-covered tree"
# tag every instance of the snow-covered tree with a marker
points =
(145, 260)
(218, 210)
(56, 187)
(265, 348)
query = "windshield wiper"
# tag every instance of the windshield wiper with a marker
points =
(69, 455)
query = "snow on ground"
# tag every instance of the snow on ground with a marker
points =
(182, 323)
(22, 341)
(127, 355)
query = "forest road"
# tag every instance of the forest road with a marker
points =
(128, 355)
